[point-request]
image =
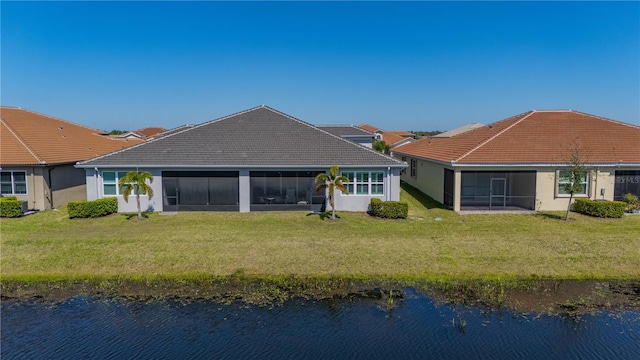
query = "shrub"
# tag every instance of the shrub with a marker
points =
(629, 198)
(389, 209)
(10, 207)
(92, 209)
(603, 209)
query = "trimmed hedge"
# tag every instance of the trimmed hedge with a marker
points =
(603, 209)
(389, 209)
(10, 207)
(92, 209)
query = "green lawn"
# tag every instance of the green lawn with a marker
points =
(49, 245)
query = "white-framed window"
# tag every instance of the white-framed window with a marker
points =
(563, 178)
(13, 182)
(404, 170)
(110, 181)
(414, 168)
(365, 182)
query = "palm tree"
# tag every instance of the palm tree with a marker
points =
(332, 182)
(136, 182)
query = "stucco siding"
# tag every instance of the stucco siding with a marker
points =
(429, 178)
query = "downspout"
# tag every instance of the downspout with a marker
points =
(388, 196)
(95, 176)
(51, 187)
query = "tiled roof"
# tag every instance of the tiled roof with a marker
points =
(391, 138)
(402, 133)
(459, 130)
(535, 137)
(345, 130)
(257, 137)
(29, 138)
(150, 131)
(369, 128)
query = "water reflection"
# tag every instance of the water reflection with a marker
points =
(415, 327)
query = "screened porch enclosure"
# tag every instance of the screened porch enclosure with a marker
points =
(489, 190)
(200, 191)
(285, 190)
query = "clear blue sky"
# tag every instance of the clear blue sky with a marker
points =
(411, 66)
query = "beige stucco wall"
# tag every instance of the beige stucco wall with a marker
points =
(68, 184)
(429, 178)
(548, 199)
(36, 188)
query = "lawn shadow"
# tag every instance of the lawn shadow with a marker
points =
(323, 215)
(550, 216)
(129, 216)
(427, 201)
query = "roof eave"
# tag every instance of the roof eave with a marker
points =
(275, 166)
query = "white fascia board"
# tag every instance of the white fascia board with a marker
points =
(238, 166)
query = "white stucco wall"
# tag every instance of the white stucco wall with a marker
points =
(352, 202)
(95, 190)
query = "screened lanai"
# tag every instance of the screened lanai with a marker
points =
(498, 190)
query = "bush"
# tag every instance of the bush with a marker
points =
(92, 209)
(389, 209)
(603, 209)
(10, 207)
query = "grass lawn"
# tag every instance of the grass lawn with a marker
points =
(49, 245)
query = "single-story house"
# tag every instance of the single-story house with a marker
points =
(255, 160)
(144, 133)
(392, 138)
(38, 153)
(351, 133)
(521, 162)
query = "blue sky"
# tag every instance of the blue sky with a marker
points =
(410, 66)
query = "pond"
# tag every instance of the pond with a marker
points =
(409, 326)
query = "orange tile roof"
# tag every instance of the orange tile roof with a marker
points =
(150, 131)
(368, 128)
(391, 138)
(403, 133)
(535, 137)
(30, 138)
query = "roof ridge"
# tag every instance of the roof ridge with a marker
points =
(496, 135)
(606, 119)
(21, 141)
(58, 119)
(175, 133)
(335, 136)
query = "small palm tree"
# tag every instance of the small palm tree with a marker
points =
(136, 182)
(332, 182)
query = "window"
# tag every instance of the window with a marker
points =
(404, 170)
(365, 182)
(13, 182)
(564, 178)
(110, 181)
(414, 168)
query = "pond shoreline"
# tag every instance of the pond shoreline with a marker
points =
(572, 297)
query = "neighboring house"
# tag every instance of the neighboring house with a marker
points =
(459, 130)
(391, 138)
(350, 132)
(255, 160)
(147, 133)
(521, 162)
(38, 154)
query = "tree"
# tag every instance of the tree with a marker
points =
(136, 182)
(332, 182)
(574, 174)
(117, 132)
(381, 146)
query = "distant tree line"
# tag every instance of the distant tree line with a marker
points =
(420, 134)
(117, 132)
